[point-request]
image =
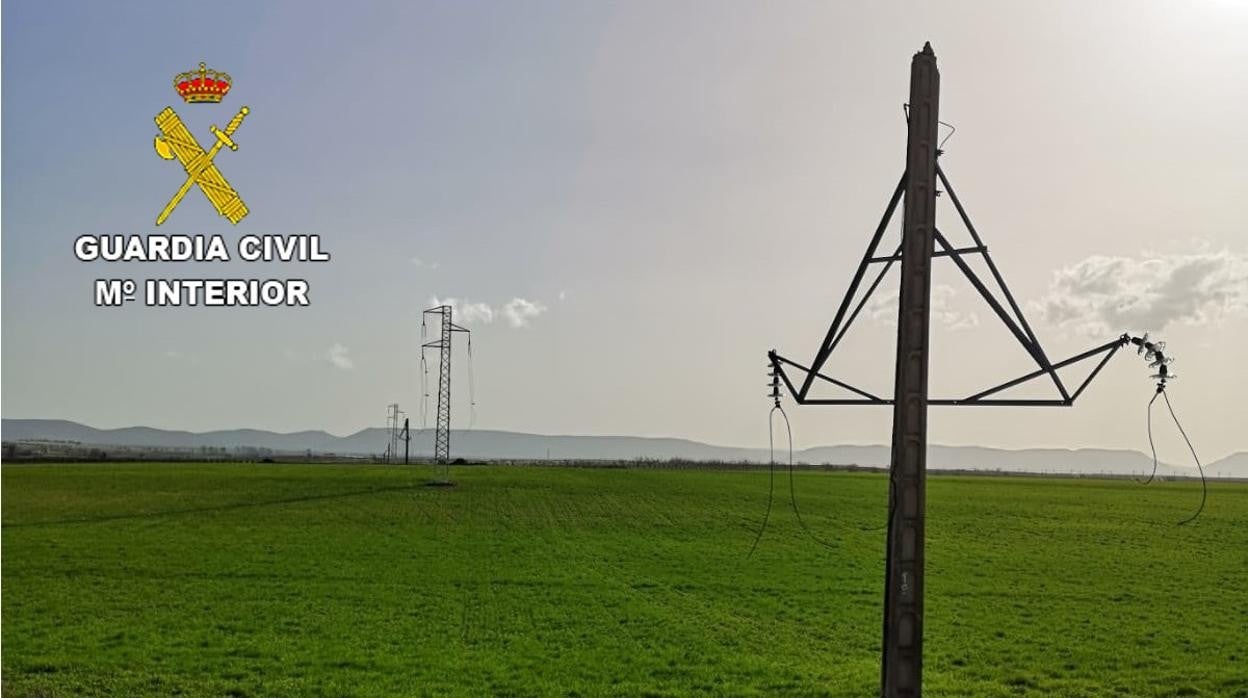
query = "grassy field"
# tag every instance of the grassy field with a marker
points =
(163, 579)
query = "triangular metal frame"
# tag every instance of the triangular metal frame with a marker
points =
(1013, 319)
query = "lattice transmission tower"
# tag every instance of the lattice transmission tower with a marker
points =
(442, 431)
(395, 432)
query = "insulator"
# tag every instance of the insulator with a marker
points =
(1143, 343)
(1159, 345)
(1148, 356)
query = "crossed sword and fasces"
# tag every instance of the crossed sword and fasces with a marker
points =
(176, 141)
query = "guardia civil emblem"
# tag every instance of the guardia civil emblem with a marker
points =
(202, 86)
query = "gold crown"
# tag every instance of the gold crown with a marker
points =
(202, 85)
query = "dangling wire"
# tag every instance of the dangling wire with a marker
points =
(1204, 488)
(952, 130)
(771, 479)
(771, 469)
(472, 388)
(1155, 352)
(792, 490)
(1151, 446)
(424, 378)
(424, 391)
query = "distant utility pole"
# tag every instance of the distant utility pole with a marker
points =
(407, 439)
(442, 433)
(394, 432)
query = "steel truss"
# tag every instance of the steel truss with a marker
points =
(442, 433)
(1013, 319)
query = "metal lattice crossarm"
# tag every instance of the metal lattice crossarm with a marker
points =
(1105, 351)
(1006, 309)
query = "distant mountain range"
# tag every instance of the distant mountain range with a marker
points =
(502, 445)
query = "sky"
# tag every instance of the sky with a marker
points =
(629, 203)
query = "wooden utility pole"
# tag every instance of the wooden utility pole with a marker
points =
(902, 665)
(901, 668)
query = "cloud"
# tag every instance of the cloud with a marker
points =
(883, 308)
(1106, 295)
(337, 356)
(519, 311)
(424, 263)
(466, 311)
(476, 312)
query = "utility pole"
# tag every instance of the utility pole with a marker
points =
(407, 439)
(902, 666)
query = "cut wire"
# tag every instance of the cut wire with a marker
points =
(1151, 446)
(793, 492)
(424, 391)
(1204, 488)
(771, 479)
(472, 389)
(952, 130)
(424, 377)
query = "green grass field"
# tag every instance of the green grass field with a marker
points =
(164, 579)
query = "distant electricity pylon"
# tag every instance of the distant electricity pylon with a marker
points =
(396, 433)
(442, 432)
(902, 662)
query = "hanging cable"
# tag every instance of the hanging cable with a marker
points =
(793, 491)
(472, 388)
(771, 478)
(1204, 488)
(1155, 353)
(424, 378)
(1151, 446)
(774, 384)
(771, 472)
(424, 391)
(952, 130)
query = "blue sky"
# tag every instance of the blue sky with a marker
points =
(680, 186)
